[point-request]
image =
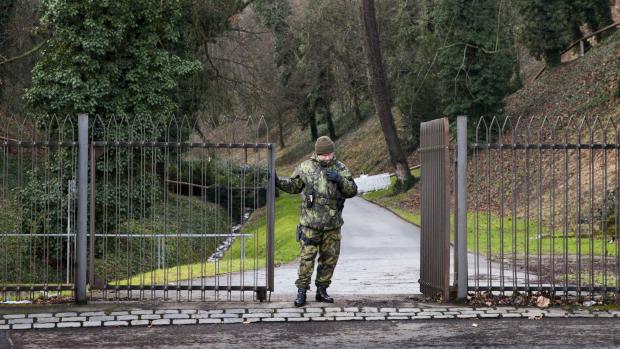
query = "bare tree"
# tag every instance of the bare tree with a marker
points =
(381, 96)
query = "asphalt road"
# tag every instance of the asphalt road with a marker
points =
(380, 255)
(508, 333)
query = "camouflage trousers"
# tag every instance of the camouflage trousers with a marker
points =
(325, 243)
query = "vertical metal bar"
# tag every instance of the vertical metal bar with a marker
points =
(106, 209)
(578, 198)
(143, 244)
(455, 269)
(501, 217)
(436, 233)
(427, 180)
(445, 184)
(604, 217)
(129, 215)
(566, 221)
(4, 279)
(436, 204)
(91, 261)
(489, 153)
(617, 214)
(155, 243)
(255, 199)
(461, 215)
(271, 206)
(513, 209)
(242, 221)
(80, 278)
(117, 210)
(423, 196)
(204, 225)
(552, 217)
(424, 201)
(163, 255)
(539, 207)
(527, 213)
(476, 185)
(591, 225)
(431, 231)
(178, 215)
(106, 213)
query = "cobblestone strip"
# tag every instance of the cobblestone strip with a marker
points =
(226, 316)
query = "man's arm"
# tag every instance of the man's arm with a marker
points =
(291, 185)
(348, 188)
(344, 179)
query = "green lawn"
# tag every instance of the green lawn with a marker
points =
(489, 228)
(387, 198)
(286, 248)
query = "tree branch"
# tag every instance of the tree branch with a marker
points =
(27, 53)
(249, 31)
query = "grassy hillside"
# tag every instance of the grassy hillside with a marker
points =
(586, 86)
(360, 146)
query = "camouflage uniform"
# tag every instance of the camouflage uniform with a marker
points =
(321, 216)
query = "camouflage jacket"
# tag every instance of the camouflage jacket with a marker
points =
(323, 200)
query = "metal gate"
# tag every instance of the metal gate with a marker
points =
(538, 211)
(125, 209)
(435, 208)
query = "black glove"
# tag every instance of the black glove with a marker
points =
(333, 176)
(275, 176)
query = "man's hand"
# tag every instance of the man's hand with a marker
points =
(333, 176)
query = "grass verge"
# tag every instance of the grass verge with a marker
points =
(484, 231)
(244, 254)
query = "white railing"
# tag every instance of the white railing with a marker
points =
(367, 183)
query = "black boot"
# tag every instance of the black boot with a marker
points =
(301, 297)
(322, 296)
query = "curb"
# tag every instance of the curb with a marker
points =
(165, 317)
(391, 210)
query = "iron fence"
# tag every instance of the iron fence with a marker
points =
(37, 238)
(543, 206)
(174, 209)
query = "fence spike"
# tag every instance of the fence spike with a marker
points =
(481, 124)
(262, 124)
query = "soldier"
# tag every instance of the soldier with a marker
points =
(325, 183)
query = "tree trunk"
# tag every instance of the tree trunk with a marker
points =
(327, 114)
(381, 97)
(280, 130)
(356, 107)
(314, 132)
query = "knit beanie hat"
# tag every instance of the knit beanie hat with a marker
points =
(323, 145)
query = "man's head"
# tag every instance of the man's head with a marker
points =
(324, 149)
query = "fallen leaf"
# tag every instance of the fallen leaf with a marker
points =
(589, 303)
(542, 302)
